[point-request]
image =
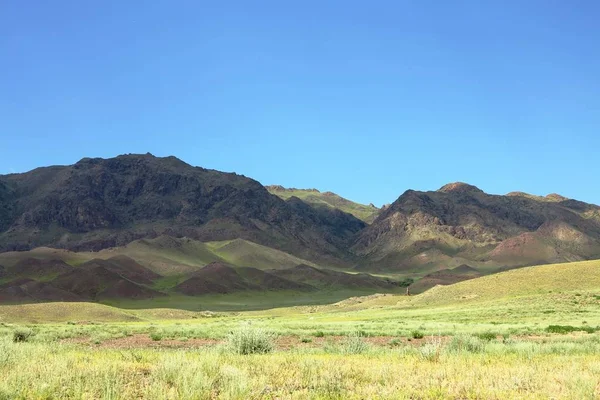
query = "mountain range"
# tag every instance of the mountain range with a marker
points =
(164, 217)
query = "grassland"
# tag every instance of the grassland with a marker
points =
(527, 333)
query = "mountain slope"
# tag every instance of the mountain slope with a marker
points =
(462, 223)
(100, 203)
(367, 213)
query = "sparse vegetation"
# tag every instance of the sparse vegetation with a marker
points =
(342, 350)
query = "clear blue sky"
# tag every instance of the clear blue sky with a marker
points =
(363, 98)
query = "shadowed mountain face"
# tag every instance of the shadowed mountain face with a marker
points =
(461, 222)
(31, 280)
(100, 203)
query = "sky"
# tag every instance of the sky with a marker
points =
(363, 98)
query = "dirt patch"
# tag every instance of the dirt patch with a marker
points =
(142, 341)
(138, 341)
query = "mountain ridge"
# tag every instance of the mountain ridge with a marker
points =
(97, 204)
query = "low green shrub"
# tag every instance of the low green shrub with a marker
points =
(319, 334)
(22, 335)
(486, 336)
(249, 340)
(355, 344)
(563, 329)
(465, 343)
(156, 336)
(417, 335)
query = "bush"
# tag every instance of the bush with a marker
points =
(466, 343)
(417, 335)
(355, 344)
(248, 340)
(486, 336)
(319, 334)
(306, 340)
(432, 350)
(563, 329)
(156, 336)
(22, 335)
(429, 352)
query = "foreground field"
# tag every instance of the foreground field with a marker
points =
(528, 333)
(493, 370)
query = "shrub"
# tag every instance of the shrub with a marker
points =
(467, 343)
(355, 344)
(486, 336)
(22, 335)
(417, 335)
(156, 336)
(319, 334)
(563, 329)
(431, 350)
(306, 340)
(248, 340)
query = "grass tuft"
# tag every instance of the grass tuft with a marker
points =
(22, 335)
(250, 340)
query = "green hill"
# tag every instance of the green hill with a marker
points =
(367, 213)
(530, 281)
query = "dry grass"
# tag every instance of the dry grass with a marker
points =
(31, 371)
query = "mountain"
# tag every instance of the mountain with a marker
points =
(459, 224)
(366, 213)
(138, 226)
(101, 203)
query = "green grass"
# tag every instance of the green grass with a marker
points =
(528, 333)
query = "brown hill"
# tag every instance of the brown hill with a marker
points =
(460, 221)
(26, 290)
(94, 282)
(125, 267)
(100, 203)
(218, 277)
(37, 268)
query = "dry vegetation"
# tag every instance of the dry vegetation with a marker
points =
(524, 334)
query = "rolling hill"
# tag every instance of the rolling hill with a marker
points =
(529, 281)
